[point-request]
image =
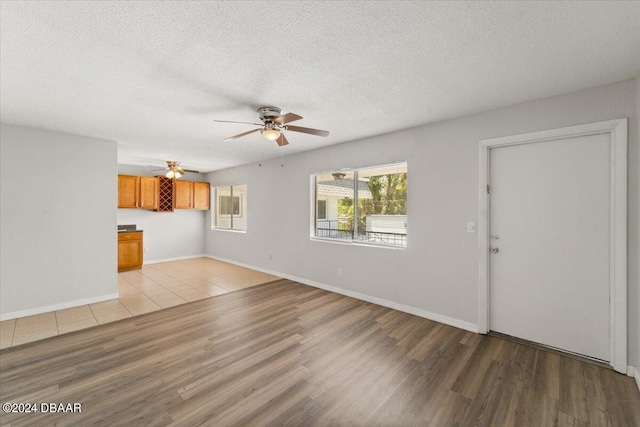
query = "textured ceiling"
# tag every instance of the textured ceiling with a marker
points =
(154, 75)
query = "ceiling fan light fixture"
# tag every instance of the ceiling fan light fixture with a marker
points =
(274, 122)
(170, 174)
(177, 174)
(270, 134)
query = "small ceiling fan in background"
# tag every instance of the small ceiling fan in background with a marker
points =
(174, 170)
(274, 122)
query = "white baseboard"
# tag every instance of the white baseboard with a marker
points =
(54, 307)
(364, 297)
(180, 258)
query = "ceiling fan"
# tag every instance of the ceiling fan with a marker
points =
(274, 122)
(174, 170)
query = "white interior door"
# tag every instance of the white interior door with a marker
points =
(549, 218)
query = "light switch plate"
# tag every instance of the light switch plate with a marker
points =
(471, 227)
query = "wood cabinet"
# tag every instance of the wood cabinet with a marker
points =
(128, 188)
(148, 192)
(191, 195)
(137, 192)
(162, 194)
(183, 194)
(201, 194)
(130, 250)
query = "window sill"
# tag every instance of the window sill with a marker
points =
(229, 230)
(356, 243)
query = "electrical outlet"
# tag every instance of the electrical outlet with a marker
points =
(270, 257)
(471, 227)
(339, 272)
(146, 249)
(249, 254)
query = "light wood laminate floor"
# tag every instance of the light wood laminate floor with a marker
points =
(284, 353)
(154, 287)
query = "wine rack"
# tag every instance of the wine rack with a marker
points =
(165, 201)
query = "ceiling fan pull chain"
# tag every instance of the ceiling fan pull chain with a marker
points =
(260, 159)
(281, 157)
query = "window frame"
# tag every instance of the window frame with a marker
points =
(216, 212)
(352, 241)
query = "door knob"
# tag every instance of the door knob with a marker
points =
(494, 250)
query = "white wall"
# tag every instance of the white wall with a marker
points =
(57, 220)
(437, 273)
(167, 235)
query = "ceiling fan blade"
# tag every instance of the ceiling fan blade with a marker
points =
(232, 121)
(282, 140)
(310, 131)
(242, 134)
(287, 118)
(189, 170)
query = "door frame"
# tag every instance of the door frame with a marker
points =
(617, 130)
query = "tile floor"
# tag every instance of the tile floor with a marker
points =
(154, 287)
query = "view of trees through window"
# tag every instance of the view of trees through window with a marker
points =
(376, 196)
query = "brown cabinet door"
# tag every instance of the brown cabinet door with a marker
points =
(183, 194)
(128, 187)
(148, 193)
(129, 251)
(201, 193)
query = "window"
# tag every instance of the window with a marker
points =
(322, 209)
(225, 205)
(367, 205)
(230, 207)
